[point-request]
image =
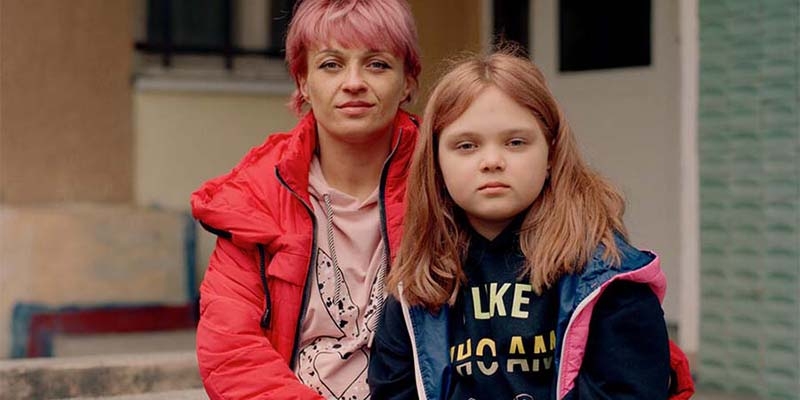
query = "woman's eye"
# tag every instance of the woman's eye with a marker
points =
(328, 65)
(379, 65)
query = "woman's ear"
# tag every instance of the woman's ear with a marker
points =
(409, 89)
(301, 87)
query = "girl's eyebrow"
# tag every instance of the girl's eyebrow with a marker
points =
(460, 135)
(506, 132)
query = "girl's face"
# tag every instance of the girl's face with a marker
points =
(354, 92)
(493, 160)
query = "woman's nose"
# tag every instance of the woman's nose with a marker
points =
(354, 80)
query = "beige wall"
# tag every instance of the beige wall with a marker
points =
(184, 138)
(91, 255)
(628, 125)
(445, 28)
(65, 101)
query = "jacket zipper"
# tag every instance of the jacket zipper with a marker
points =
(384, 233)
(382, 200)
(412, 335)
(266, 316)
(312, 261)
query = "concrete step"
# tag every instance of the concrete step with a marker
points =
(703, 395)
(192, 394)
(123, 343)
(106, 375)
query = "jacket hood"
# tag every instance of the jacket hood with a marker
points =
(240, 205)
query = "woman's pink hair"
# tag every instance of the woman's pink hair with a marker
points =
(386, 25)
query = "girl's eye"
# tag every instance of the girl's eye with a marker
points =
(465, 146)
(516, 142)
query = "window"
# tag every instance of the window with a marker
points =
(511, 21)
(604, 34)
(207, 37)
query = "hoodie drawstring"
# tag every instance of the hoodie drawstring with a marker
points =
(331, 248)
(380, 284)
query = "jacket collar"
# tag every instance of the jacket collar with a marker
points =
(293, 167)
(233, 205)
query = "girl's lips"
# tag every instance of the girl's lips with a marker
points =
(493, 189)
(493, 185)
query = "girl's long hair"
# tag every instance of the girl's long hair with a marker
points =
(576, 211)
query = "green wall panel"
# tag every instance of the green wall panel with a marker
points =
(749, 145)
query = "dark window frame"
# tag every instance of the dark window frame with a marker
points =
(604, 35)
(511, 22)
(162, 16)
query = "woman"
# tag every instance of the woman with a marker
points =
(308, 222)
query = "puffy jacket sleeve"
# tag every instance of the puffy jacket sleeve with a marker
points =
(627, 353)
(391, 364)
(236, 359)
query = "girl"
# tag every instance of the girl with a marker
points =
(515, 279)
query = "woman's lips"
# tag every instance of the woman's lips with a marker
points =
(354, 108)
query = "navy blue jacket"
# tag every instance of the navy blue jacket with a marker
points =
(611, 334)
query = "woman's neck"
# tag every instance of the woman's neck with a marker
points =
(354, 169)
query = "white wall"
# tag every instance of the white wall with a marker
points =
(628, 125)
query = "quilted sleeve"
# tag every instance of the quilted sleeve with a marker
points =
(236, 359)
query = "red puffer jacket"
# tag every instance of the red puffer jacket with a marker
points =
(252, 295)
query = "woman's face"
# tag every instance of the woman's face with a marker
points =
(354, 92)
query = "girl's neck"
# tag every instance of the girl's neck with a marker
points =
(490, 230)
(354, 169)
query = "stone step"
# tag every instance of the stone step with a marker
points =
(106, 375)
(191, 394)
(124, 343)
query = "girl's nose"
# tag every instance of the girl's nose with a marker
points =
(493, 161)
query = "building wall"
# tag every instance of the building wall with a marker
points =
(446, 28)
(627, 123)
(749, 142)
(87, 256)
(184, 138)
(65, 132)
(70, 237)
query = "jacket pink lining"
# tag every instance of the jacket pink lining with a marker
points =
(577, 332)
